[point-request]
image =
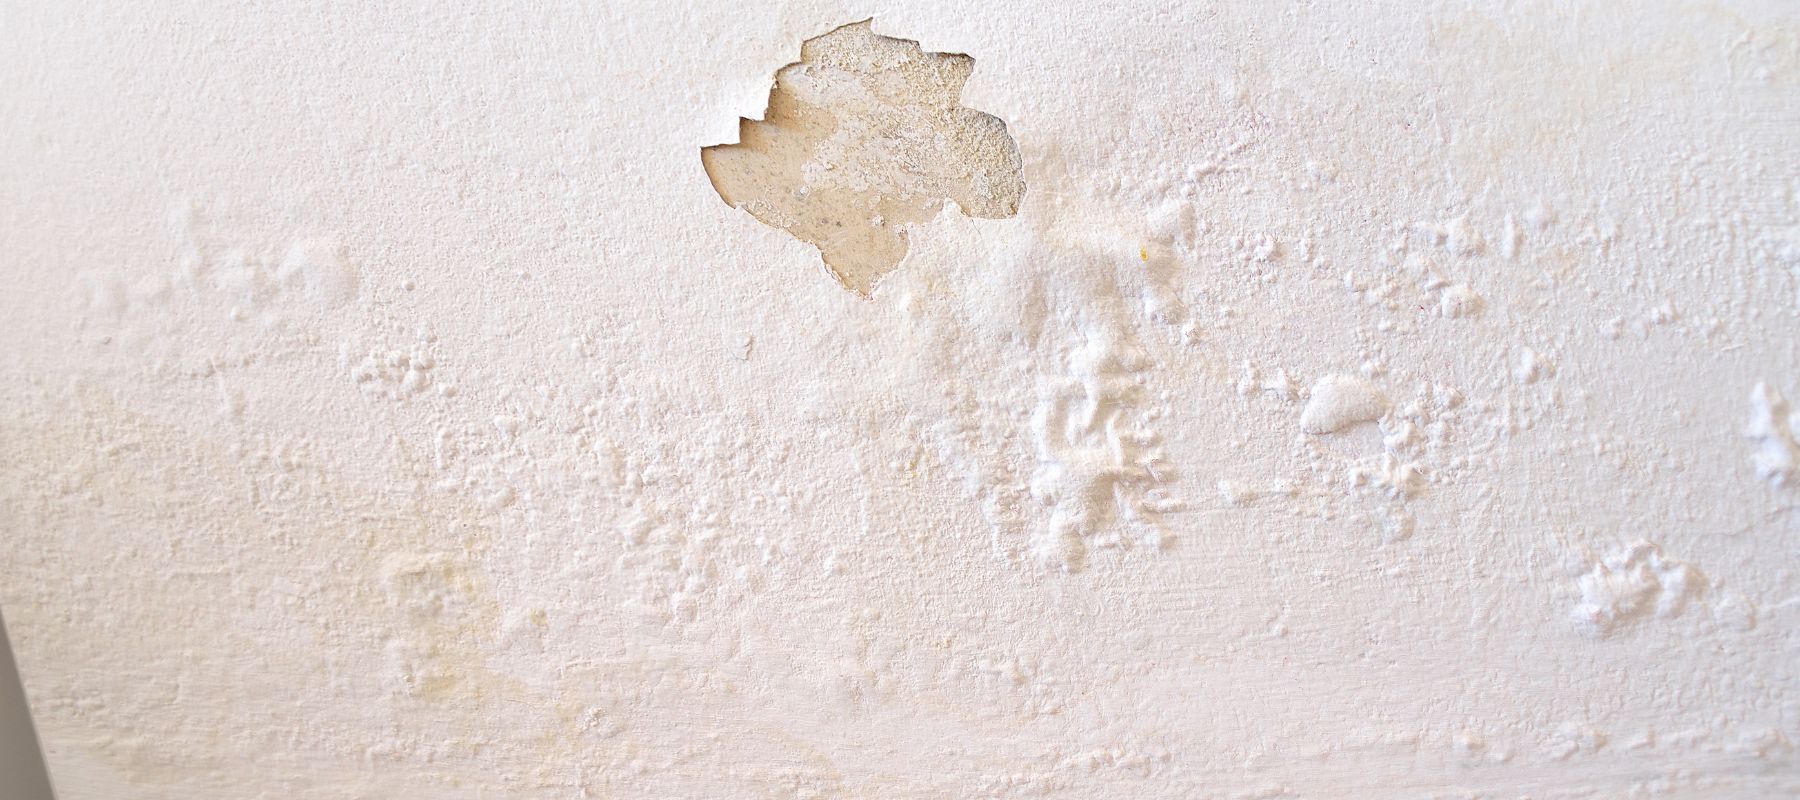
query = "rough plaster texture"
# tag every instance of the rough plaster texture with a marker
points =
(1366, 400)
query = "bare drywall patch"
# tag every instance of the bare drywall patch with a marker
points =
(864, 137)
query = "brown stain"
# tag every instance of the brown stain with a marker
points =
(179, 694)
(864, 138)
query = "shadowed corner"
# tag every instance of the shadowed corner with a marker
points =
(863, 139)
(23, 775)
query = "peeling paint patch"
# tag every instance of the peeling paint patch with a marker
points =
(865, 137)
(1634, 584)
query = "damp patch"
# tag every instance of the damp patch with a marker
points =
(865, 137)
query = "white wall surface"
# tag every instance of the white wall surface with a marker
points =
(1366, 401)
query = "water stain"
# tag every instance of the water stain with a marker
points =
(865, 137)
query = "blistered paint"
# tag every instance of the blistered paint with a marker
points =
(1363, 400)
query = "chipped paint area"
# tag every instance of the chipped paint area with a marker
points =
(863, 141)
